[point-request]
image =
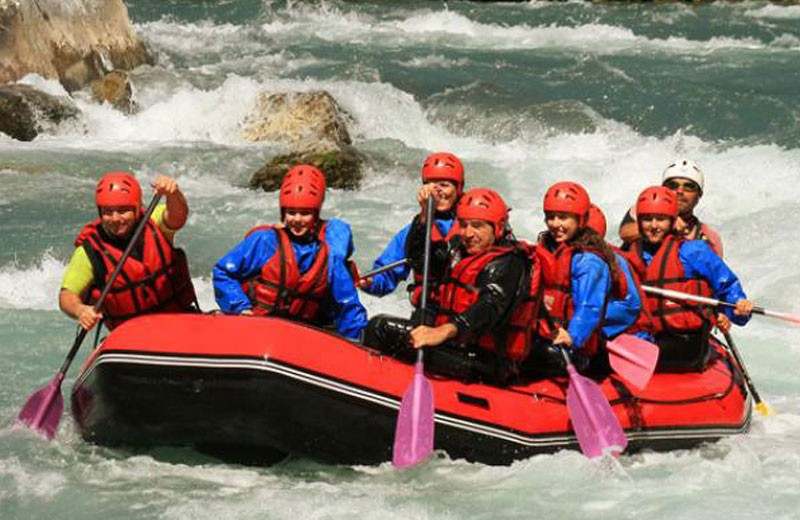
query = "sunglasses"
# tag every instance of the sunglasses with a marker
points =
(689, 187)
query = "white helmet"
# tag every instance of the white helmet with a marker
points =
(685, 169)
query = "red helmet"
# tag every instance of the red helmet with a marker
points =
(657, 200)
(484, 204)
(596, 221)
(443, 166)
(118, 189)
(303, 187)
(567, 197)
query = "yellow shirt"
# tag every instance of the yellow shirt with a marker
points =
(79, 275)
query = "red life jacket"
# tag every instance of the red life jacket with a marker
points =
(666, 271)
(280, 289)
(158, 282)
(458, 292)
(415, 287)
(557, 281)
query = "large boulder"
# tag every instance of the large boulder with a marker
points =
(74, 41)
(25, 111)
(314, 128)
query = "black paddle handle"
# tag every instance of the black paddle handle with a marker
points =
(426, 261)
(384, 268)
(134, 238)
(748, 382)
(426, 264)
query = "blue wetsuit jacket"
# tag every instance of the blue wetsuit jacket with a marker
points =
(591, 284)
(622, 314)
(341, 307)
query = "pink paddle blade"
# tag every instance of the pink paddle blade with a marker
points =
(413, 437)
(596, 427)
(634, 359)
(42, 411)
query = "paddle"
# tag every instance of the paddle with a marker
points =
(761, 406)
(42, 411)
(413, 436)
(634, 359)
(384, 268)
(595, 425)
(793, 318)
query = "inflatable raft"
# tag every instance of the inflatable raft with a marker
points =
(266, 387)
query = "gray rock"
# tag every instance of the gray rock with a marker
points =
(74, 41)
(25, 111)
(116, 89)
(314, 127)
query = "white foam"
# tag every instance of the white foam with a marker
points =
(778, 12)
(32, 287)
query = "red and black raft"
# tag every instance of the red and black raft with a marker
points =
(266, 386)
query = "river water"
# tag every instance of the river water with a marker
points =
(526, 94)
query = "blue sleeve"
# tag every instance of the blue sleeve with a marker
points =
(241, 263)
(591, 282)
(349, 316)
(621, 314)
(698, 259)
(387, 281)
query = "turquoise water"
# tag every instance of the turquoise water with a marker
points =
(526, 94)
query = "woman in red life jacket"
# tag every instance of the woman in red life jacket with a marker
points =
(628, 314)
(297, 269)
(154, 278)
(670, 261)
(482, 325)
(578, 270)
(443, 179)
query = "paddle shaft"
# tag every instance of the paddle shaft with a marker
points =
(384, 268)
(426, 264)
(749, 382)
(677, 295)
(134, 238)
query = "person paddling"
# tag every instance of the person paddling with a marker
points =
(686, 179)
(667, 260)
(154, 278)
(482, 326)
(442, 179)
(296, 269)
(628, 314)
(578, 271)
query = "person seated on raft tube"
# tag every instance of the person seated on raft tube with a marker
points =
(579, 273)
(629, 314)
(685, 178)
(155, 277)
(296, 269)
(666, 259)
(442, 178)
(481, 329)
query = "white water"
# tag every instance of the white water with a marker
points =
(193, 105)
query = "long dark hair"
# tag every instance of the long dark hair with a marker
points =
(586, 238)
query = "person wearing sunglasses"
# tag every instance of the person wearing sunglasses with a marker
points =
(685, 178)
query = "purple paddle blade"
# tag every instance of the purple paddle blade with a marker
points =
(413, 437)
(596, 427)
(42, 411)
(634, 359)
